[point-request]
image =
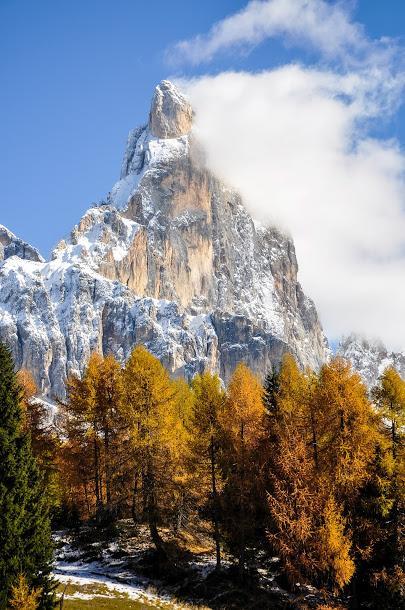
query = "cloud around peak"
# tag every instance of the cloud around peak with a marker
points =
(296, 142)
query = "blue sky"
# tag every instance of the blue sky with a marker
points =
(77, 75)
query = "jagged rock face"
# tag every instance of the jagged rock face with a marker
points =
(370, 358)
(172, 260)
(10, 245)
(171, 115)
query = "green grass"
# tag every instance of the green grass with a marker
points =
(103, 598)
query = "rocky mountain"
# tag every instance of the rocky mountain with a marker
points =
(171, 259)
(370, 358)
(11, 245)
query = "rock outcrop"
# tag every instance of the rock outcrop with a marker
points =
(11, 245)
(370, 358)
(172, 260)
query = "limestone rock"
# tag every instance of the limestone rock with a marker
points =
(171, 259)
(171, 114)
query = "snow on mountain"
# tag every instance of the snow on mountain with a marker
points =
(370, 358)
(171, 259)
(10, 245)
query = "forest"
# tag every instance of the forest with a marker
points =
(307, 466)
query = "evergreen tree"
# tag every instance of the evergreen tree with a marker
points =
(44, 440)
(270, 391)
(25, 536)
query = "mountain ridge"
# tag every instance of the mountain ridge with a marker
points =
(170, 259)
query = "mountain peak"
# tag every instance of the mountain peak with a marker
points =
(171, 114)
(11, 245)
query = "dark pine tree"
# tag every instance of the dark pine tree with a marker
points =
(25, 534)
(271, 386)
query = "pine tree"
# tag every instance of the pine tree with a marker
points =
(270, 391)
(44, 440)
(25, 536)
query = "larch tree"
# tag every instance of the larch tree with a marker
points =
(306, 527)
(177, 439)
(79, 460)
(242, 420)
(290, 397)
(348, 433)
(295, 404)
(204, 449)
(295, 504)
(149, 397)
(25, 535)
(389, 396)
(110, 421)
(94, 426)
(22, 597)
(335, 545)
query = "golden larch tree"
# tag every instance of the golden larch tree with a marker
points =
(242, 420)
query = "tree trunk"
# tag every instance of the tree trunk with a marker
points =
(394, 440)
(152, 512)
(242, 543)
(97, 476)
(107, 467)
(134, 495)
(215, 507)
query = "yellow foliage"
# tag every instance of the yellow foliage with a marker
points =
(292, 389)
(347, 428)
(156, 419)
(22, 597)
(335, 546)
(390, 400)
(243, 416)
(208, 403)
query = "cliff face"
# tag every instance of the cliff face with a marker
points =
(172, 260)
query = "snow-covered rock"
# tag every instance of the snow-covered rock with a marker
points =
(370, 358)
(11, 245)
(171, 259)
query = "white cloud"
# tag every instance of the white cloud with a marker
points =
(295, 141)
(320, 24)
(292, 141)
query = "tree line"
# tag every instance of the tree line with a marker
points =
(308, 466)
